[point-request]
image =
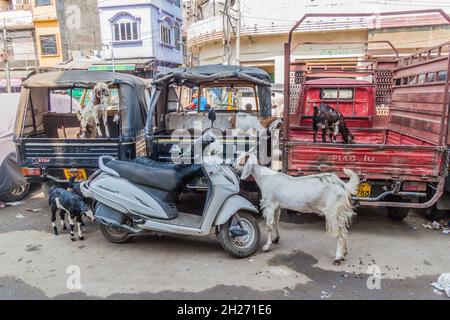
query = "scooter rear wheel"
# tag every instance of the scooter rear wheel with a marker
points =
(115, 235)
(243, 246)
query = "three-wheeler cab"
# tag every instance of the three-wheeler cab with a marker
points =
(47, 130)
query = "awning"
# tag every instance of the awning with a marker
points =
(120, 64)
(75, 65)
(16, 77)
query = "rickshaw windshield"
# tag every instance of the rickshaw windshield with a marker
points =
(229, 98)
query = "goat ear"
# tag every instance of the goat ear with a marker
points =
(247, 170)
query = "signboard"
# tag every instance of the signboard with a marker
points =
(110, 67)
(330, 50)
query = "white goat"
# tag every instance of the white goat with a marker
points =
(90, 115)
(324, 194)
(252, 124)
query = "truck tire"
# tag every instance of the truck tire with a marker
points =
(115, 235)
(397, 214)
(244, 246)
(435, 214)
(18, 194)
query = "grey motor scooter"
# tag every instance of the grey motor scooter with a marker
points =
(132, 198)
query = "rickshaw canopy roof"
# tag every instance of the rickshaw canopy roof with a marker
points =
(81, 79)
(132, 93)
(194, 76)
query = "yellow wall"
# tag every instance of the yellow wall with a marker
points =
(48, 28)
(46, 23)
(409, 40)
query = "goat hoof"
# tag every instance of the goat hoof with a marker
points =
(73, 239)
(64, 227)
(81, 238)
(338, 262)
(82, 224)
(276, 240)
(265, 249)
(55, 231)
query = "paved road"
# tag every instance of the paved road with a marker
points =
(34, 263)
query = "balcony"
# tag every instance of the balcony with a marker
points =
(18, 7)
(17, 19)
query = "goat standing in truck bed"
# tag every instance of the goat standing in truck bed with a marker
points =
(329, 120)
(323, 194)
(68, 202)
(98, 108)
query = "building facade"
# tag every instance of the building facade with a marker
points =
(79, 24)
(47, 32)
(212, 31)
(140, 36)
(17, 51)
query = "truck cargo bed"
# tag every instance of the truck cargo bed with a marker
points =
(377, 155)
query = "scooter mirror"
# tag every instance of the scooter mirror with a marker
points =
(212, 116)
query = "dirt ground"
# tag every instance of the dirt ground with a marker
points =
(387, 260)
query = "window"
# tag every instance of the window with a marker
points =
(398, 81)
(346, 94)
(441, 76)
(430, 77)
(48, 45)
(335, 94)
(413, 80)
(421, 78)
(166, 34)
(126, 31)
(41, 3)
(229, 98)
(177, 36)
(329, 94)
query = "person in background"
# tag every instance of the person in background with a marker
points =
(203, 102)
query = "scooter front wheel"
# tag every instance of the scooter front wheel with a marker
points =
(115, 235)
(241, 246)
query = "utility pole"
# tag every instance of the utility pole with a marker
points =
(231, 26)
(5, 57)
(238, 33)
(112, 57)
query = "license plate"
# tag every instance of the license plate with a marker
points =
(364, 190)
(79, 174)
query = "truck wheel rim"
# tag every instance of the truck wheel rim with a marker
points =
(19, 190)
(247, 240)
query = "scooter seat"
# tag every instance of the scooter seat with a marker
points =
(159, 178)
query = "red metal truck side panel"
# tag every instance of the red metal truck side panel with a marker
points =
(373, 162)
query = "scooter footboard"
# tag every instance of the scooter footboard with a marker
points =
(112, 218)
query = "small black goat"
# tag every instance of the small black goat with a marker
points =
(68, 202)
(326, 119)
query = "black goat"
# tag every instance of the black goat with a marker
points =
(326, 119)
(68, 202)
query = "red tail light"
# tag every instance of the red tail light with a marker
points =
(31, 171)
(414, 186)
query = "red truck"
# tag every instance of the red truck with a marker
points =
(398, 110)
